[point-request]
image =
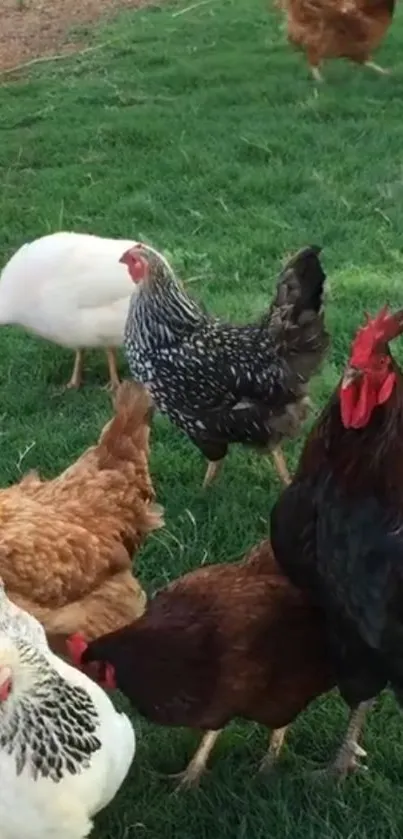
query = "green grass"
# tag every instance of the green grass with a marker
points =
(201, 132)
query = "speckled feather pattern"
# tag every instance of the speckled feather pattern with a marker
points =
(52, 730)
(218, 382)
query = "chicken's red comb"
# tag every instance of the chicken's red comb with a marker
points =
(378, 330)
(127, 255)
(136, 263)
(76, 646)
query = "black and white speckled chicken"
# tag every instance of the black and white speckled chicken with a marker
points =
(64, 750)
(222, 383)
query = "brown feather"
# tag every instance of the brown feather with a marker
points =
(337, 29)
(224, 641)
(66, 544)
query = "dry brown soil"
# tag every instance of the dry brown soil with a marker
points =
(33, 28)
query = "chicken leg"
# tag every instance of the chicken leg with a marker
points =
(314, 61)
(349, 752)
(77, 374)
(212, 471)
(214, 467)
(275, 746)
(317, 75)
(376, 67)
(197, 766)
(348, 757)
(281, 466)
(114, 380)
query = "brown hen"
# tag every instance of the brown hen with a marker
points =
(66, 545)
(223, 641)
(350, 29)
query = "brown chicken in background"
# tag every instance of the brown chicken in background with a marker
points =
(350, 29)
(223, 641)
(66, 545)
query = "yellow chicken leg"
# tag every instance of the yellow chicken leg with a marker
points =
(275, 746)
(317, 75)
(114, 380)
(77, 374)
(212, 471)
(197, 766)
(281, 466)
(377, 68)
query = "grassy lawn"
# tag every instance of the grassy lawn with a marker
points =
(202, 133)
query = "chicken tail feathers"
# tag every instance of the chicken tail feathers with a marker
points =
(296, 316)
(301, 283)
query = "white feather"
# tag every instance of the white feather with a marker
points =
(42, 808)
(69, 288)
(15, 623)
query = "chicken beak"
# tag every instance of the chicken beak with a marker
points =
(351, 375)
(124, 259)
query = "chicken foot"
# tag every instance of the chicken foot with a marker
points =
(198, 764)
(317, 75)
(350, 752)
(214, 467)
(377, 68)
(77, 374)
(282, 469)
(191, 776)
(275, 746)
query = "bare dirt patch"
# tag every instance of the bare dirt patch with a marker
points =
(33, 28)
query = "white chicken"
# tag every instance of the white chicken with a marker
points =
(16, 623)
(64, 750)
(70, 289)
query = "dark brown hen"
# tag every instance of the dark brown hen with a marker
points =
(222, 383)
(224, 641)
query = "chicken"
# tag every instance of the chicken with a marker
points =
(223, 641)
(66, 544)
(337, 531)
(64, 750)
(338, 29)
(15, 623)
(225, 384)
(69, 288)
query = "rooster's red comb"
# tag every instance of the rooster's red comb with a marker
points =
(377, 331)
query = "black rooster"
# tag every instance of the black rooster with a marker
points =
(337, 530)
(222, 383)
